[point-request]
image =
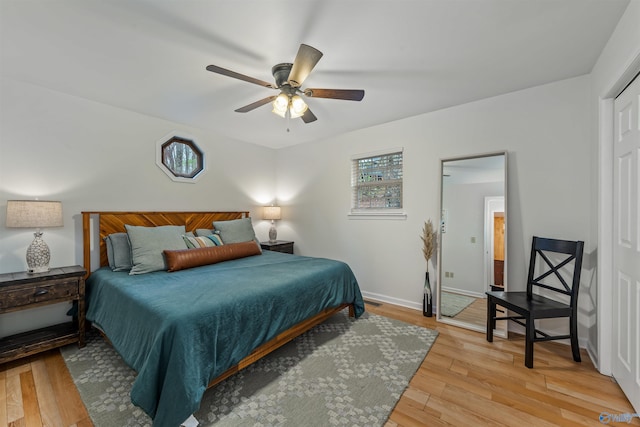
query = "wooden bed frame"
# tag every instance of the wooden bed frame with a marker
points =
(114, 222)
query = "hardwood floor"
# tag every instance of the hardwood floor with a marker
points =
(38, 391)
(463, 381)
(466, 381)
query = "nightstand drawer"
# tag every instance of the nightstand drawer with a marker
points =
(33, 294)
(283, 246)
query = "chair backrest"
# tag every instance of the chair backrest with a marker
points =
(542, 247)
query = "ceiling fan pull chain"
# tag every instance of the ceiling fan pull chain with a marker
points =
(288, 114)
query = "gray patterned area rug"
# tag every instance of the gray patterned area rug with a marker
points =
(341, 372)
(452, 304)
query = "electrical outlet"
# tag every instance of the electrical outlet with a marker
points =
(473, 240)
(451, 274)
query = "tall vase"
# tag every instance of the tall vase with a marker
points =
(427, 301)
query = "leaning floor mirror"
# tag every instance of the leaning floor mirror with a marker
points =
(472, 254)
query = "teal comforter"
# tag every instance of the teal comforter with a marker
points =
(180, 330)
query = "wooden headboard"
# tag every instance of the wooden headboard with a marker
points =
(114, 222)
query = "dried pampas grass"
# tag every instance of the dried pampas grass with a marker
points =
(429, 241)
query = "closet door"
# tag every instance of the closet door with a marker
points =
(626, 251)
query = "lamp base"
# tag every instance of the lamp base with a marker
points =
(273, 233)
(38, 255)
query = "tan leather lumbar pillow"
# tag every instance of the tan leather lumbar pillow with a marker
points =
(188, 258)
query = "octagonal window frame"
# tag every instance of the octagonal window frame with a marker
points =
(177, 176)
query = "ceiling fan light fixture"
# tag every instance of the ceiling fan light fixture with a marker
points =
(297, 106)
(289, 78)
(280, 105)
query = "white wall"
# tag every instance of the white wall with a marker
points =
(546, 131)
(92, 156)
(616, 66)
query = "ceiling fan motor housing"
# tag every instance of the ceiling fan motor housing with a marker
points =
(281, 73)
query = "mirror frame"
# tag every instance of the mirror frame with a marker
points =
(502, 331)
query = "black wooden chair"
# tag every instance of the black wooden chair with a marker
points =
(530, 306)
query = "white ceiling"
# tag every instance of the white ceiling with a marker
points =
(410, 56)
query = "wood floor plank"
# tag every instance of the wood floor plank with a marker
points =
(3, 400)
(14, 399)
(18, 423)
(616, 403)
(417, 398)
(72, 410)
(30, 400)
(85, 422)
(581, 420)
(457, 415)
(496, 411)
(522, 375)
(46, 397)
(407, 415)
(536, 393)
(461, 381)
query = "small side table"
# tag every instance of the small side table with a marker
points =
(284, 246)
(22, 290)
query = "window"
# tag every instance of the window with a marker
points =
(180, 158)
(376, 183)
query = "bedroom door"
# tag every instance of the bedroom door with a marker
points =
(626, 247)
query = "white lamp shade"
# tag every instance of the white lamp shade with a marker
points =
(298, 107)
(280, 105)
(271, 212)
(33, 214)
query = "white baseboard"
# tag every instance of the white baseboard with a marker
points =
(461, 292)
(391, 300)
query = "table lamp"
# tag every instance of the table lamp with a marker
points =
(35, 214)
(272, 213)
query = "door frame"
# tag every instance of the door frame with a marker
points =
(605, 274)
(492, 204)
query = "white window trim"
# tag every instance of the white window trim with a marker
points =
(383, 214)
(399, 214)
(170, 174)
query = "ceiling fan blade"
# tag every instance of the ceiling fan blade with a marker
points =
(308, 116)
(229, 73)
(306, 59)
(347, 94)
(255, 105)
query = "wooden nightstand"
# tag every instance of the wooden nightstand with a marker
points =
(283, 246)
(21, 291)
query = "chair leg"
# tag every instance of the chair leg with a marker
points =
(575, 348)
(529, 339)
(491, 318)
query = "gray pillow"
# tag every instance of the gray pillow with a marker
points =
(119, 251)
(109, 246)
(236, 231)
(147, 244)
(203, 232)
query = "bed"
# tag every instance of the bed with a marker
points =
(187, 330)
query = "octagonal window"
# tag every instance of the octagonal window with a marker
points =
(180, 158)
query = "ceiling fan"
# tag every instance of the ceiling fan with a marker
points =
(288, 80)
